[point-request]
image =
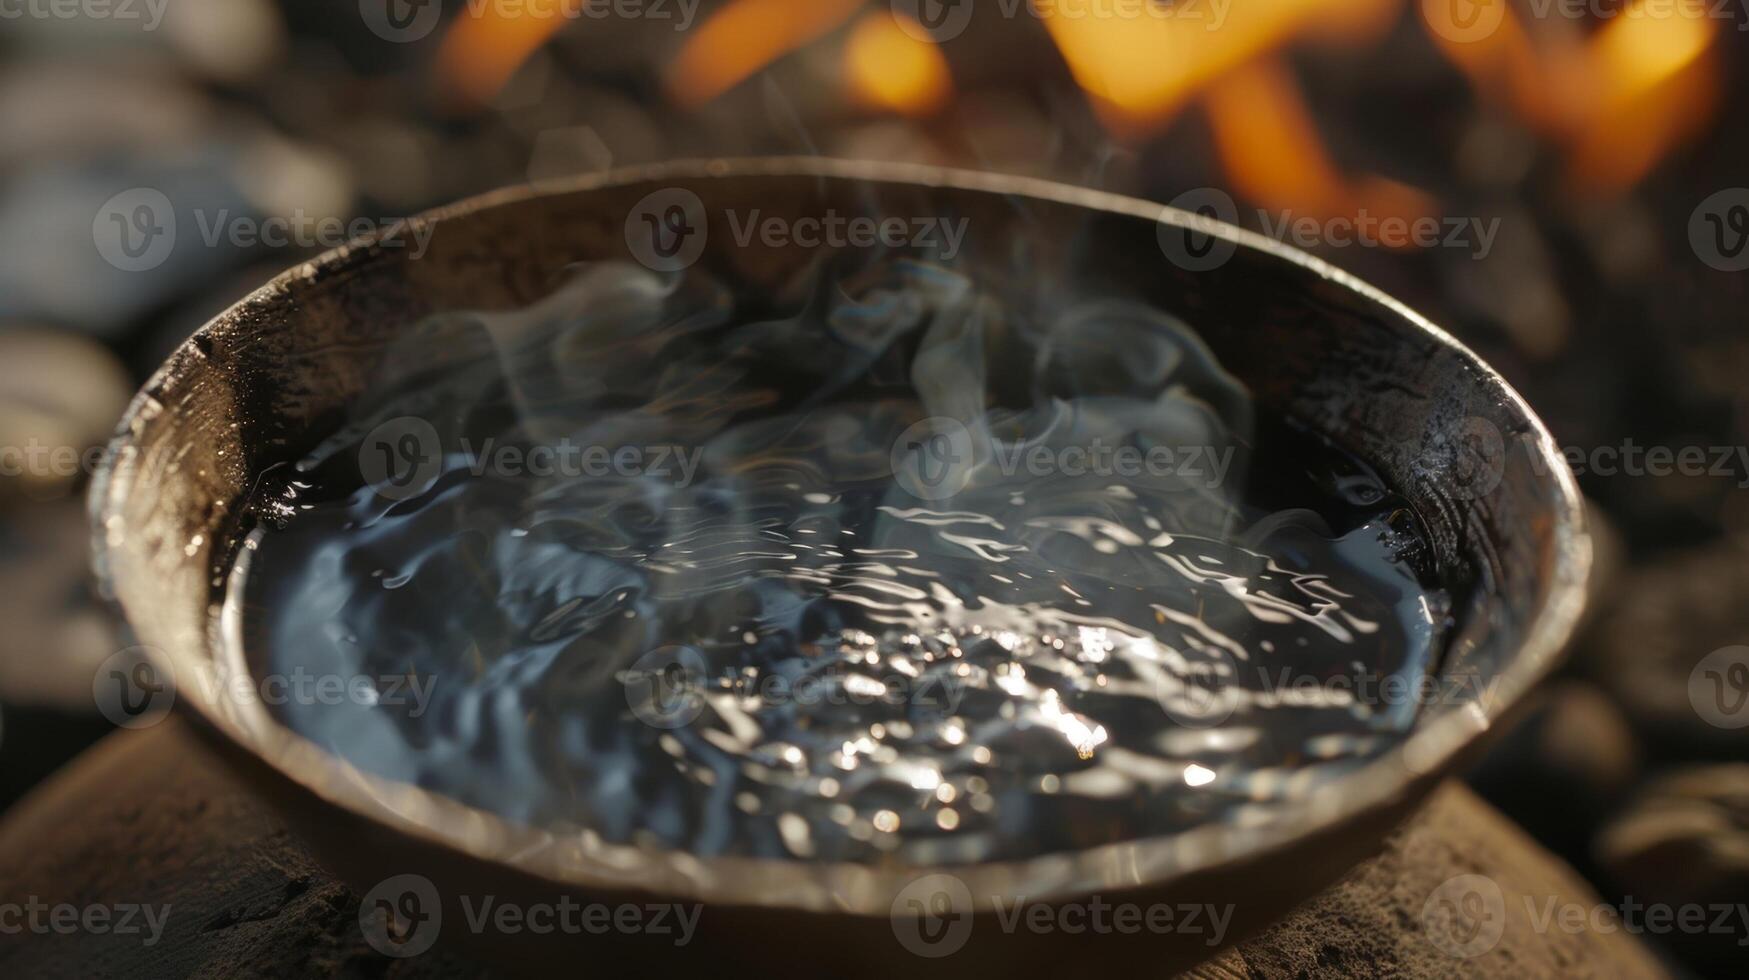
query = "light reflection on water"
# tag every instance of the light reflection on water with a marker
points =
(789, 649)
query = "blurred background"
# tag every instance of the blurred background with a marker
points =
(1581, 166)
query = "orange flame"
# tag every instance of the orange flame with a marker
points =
(1270, 149)
(1655, 88)
(1536, 81)
(890, 68)
(1619, 100)
(485, 47)
(744, 37)
(1141, 69)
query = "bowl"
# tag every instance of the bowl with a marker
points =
(262, 382)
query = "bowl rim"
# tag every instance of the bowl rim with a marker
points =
(576, 861)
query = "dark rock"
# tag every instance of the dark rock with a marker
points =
(152, 817)
(57, 633)
(1684, 841)
(1569, 762)
(1660, 652)
(1458, 892)
(60, 395)
(1609, 563)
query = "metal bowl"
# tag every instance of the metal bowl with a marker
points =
(258, 385)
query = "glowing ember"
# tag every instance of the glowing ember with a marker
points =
(1654, 88)
(1140, 70)
(1618, 100)
(889, 68)
(1272, 152)
(485, 47)
(744, 37)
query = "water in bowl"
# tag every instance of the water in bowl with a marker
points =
(884, 567)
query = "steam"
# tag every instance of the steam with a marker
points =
(1061, 606)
